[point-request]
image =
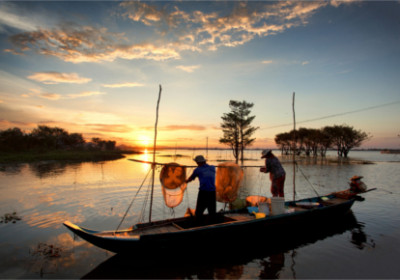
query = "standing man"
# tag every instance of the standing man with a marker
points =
(206, 198)
(276, 173)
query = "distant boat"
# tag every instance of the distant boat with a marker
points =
(234, 224)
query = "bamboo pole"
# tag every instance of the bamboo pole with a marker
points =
(294, 149)
(153, 166)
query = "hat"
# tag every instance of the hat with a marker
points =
(355, 177)
(264, 153)
(199, 159)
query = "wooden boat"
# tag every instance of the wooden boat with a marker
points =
(229, 225)
(172, 264)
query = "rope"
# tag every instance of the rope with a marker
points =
(146, 199)
(187, 191)
(130, 205)
(312, 186)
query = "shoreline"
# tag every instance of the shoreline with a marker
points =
(75, 155)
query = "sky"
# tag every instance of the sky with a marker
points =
(95, 67)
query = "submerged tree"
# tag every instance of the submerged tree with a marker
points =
(312, 141)
(237, 129)
(345, 138)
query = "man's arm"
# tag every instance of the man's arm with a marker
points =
(192, 177)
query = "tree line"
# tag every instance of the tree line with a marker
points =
(311, 141)
(237, 134)
(45, 138)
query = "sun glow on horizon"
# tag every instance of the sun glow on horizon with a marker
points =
(144, 141)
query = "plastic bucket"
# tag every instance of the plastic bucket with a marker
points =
(277, 205)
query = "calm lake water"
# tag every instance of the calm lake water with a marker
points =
(37, 198)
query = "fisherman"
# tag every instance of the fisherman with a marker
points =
(356, 185)
(206, 198)
(276, 173)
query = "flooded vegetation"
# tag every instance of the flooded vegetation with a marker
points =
(38, 197)
(10, 218)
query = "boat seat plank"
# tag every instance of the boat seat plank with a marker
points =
(157, 229)
(240, 216)
(177, 226)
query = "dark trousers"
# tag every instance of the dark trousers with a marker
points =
(206, 200)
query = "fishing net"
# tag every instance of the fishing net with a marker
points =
(173, 185)
(228, 178)
(255, 200)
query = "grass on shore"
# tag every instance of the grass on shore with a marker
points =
(75, 155)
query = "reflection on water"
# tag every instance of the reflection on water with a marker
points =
(96, 195)
(48, 259)
(360, 239)
(51, 168)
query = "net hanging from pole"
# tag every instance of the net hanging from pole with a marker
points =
(173, 185)
(228, 180)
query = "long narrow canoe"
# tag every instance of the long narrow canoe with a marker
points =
(234, 225)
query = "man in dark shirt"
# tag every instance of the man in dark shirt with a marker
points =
(276, 172)
(206, 198)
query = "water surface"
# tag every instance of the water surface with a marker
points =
(41, 196)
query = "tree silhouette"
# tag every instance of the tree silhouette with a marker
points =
(237, 129)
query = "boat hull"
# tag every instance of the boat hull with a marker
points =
(223, 232)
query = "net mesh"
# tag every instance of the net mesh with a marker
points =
(228, 178)
(173, 185)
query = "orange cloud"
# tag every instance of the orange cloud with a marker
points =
(85, 93)
(56, 78)
(181, 30)
(122, 85)
(51, 96)
(211, 30)
(56, 96)
(87, 44)
(177, 127)
(189, 69)
(5, 124)
(138, 11)
(122, 128)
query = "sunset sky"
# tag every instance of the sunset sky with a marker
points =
(95, 67)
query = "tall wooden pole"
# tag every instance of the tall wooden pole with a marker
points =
(153, 166)
(294, 149)
(207, 149)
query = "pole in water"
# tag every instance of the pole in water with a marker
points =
(207, 148)
(294, 149)
(153, 166)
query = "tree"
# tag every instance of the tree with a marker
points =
(312, 140)
(12, 139)
(237, 128)
(49, 137)
(345, 138)
(101, 144)
(284, 141)
(74, 140)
